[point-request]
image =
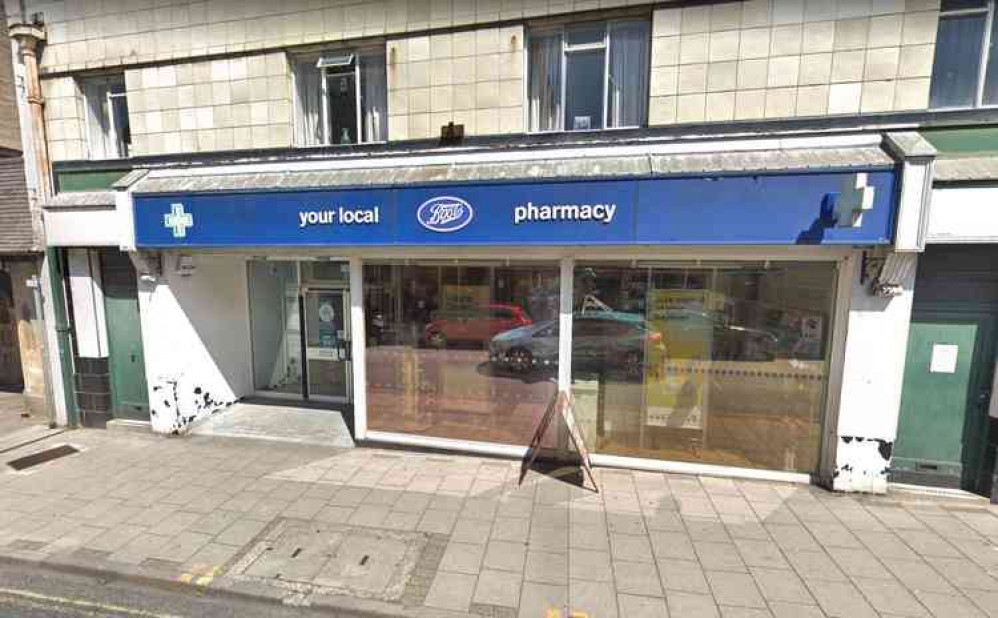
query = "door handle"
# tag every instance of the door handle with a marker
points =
(133, 358)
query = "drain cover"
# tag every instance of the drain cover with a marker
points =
(41, 457)
(363, 562)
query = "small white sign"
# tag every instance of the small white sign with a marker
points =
(943, 358)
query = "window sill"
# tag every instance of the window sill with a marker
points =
(382, 142)
(584, 131)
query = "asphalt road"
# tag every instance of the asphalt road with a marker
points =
(33, 592)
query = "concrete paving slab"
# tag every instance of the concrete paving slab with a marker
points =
(278, 423)
(195, 509)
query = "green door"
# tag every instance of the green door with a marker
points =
(129, 394)
(942, 430)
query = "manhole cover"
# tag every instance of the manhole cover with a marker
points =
(29, 461)
(363, 562)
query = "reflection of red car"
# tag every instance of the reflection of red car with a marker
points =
(474, 324)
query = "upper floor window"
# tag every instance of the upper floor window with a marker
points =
(589, 76)
(965, 70)
(106, 116)
(341, 98)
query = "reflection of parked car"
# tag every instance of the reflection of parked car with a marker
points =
(473, 324)
(603, 341)
(728, 342)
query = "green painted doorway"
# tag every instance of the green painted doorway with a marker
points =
(129, 393)
(943, 425)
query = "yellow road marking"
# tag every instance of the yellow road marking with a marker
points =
(35, 596)
(556, 613)
(200, 577)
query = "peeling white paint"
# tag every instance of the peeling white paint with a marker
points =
(196, 341)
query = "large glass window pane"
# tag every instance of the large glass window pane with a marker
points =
(722, 364)
(957, 63)
(308, 103)
(584, 96)
(990, 96)
(461, 351)
(275, 326)
(961, 5)
(374, 97)
(341, 92)
(545, 81)
(627, 95)
(122, 128)
(586, 34)
(106, 113)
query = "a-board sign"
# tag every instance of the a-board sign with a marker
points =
(563, 404)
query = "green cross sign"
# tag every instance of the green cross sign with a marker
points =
(178, 220)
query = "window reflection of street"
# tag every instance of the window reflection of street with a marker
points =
(733, 366)
(431, 367)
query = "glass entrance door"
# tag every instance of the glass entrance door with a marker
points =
(327, 343)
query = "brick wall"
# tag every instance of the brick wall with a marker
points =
(10, 132)
(784, 58)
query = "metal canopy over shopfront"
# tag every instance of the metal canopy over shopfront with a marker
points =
(850, 207)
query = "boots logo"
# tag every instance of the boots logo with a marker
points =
(445, 214)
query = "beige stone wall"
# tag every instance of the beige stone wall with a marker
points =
(85, 34)
(471, 77)
(721, 61)
(784, 58)
(64, 123)
(230, 103)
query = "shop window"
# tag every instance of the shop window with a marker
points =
(589, 76)
(341, 98)
(466, 352)
(965, 70)
(106, 116)
(723, 364)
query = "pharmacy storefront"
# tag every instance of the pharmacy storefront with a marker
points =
(692, 317)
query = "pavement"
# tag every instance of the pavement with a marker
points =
(367, 531)
(28, 591)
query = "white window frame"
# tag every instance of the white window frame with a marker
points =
(567, 49)
(982, 72)
(334, 70)
(109, 108)
(326, 71)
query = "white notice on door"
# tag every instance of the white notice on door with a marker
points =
(943, 358)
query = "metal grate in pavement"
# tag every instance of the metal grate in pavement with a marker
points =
(35, 459)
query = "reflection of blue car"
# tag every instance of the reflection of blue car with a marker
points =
(603, 340)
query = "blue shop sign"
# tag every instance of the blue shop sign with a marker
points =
(851, 208)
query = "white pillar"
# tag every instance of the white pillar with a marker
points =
(358, 343)
(565, 325)
(872, 376)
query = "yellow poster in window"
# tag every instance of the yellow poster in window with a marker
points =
(676, 379)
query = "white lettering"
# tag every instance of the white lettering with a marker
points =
(345, 216)
(602, 213)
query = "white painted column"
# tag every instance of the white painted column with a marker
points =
(358, 342)
(872, 375)
(52, 341)
(565, 325)
(85, 287)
